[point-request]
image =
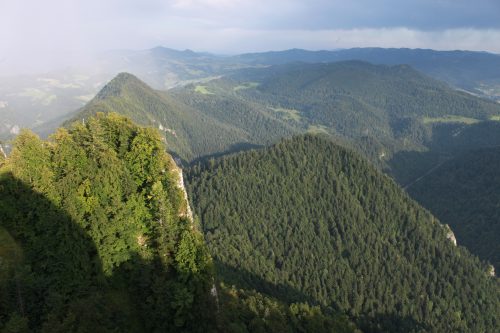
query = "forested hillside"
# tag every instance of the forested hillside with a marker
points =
(190, 132)
(306, 220)
(477, 72)
(378, 110)
(356, 99)
(95, 236)
(45, 100)
(395, 108)
(464, 193)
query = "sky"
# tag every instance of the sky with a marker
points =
(46, 34)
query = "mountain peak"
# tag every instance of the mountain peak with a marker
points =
(118, 84)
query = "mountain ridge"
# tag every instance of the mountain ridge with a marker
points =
(313, 216)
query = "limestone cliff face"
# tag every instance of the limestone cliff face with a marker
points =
(2, 153)
(450, 235)
(180, 184)
(185, 210)
(188, 213)
(491, 270)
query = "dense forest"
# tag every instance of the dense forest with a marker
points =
(401, 120)
(308, 221)
(355, 99)
(472, 71)
(302, 236)
(464, 193)
(395, 107)
(94, 235)
(190, 132)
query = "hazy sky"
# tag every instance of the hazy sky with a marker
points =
(42, 34)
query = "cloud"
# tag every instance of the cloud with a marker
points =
(204, 4)
(53, 33)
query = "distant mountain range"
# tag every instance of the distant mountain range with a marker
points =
(34, 100)
(476, 72)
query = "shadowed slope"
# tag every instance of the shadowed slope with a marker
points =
(317, 218)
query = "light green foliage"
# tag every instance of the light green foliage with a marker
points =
(246, 85)
(202, 90)
(95, 211)
(450, 119)
(317, 129)
(287, 114)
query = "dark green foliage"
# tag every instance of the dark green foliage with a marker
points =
(250, 311)
(465, 193)
(257, 122)
(310, 216)
(96, 235)
(445, 142)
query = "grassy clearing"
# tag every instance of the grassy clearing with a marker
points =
(246, 85)
(38, 95)
(203, 90)
(288, 114)
(317, 129)
(495, 118)
(492, 90)
(450, 119)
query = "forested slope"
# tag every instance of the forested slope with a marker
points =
(306, 220)
(378, 109)
(357, 98)
(189, 133)
(464, 193)
(95, 237)
(477, 72)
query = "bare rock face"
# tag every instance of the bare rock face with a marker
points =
(2, 152)
(186, 212)
(15, 130)
(450, 235)
(491, 270)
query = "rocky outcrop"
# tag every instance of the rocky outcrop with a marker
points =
(186, 210)
(491, 270)
(450, 235)
(2, 152)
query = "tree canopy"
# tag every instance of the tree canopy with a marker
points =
(309, 221)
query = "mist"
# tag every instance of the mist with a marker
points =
(39, 36)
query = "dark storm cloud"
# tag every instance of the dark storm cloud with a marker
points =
(415, 14)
